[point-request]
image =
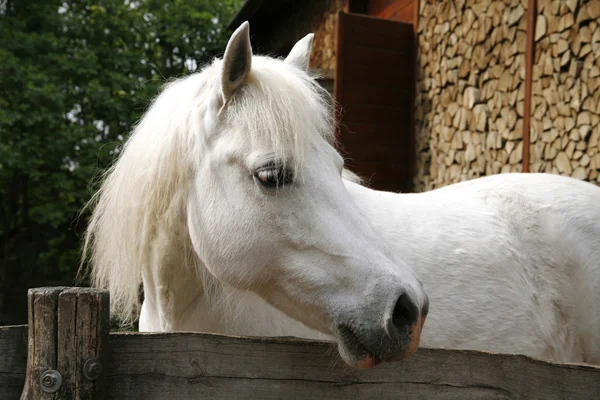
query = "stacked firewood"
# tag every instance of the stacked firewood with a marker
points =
(470, 90)
(565, 131)
(323, 25)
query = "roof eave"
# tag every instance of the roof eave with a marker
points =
(245, 13)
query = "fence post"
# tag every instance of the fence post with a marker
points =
(68, 343)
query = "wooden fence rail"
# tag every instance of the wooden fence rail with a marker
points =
(203, 366)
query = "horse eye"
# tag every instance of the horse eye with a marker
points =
(273, 176)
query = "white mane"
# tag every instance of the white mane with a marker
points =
(142, 201)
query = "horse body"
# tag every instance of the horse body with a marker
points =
(511, 264)
(513, 257)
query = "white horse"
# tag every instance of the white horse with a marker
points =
(511, 263)
(229, 179)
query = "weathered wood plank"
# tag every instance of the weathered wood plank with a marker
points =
(13, 360)
(42, 304)
(195, 366)
(367, 99)
(396, 10)
(83, 316)
(68, 334)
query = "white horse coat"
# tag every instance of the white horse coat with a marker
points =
(510, 263)
(229, 183)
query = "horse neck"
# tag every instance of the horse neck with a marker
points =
(180, 294)
(397, 217)
(379, 207)
(171, 279)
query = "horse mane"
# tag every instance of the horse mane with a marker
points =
(143, 197)
(352, 177)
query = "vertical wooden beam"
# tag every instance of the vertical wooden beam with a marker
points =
(42, 304)
(412, 161)
(529, 59)
(68, 343)
(84, 321)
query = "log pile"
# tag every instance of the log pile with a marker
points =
(565, 121)
(470, 90)
(324, 27)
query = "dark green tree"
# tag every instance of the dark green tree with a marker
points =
(74, 77)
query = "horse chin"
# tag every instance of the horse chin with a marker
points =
(369, 361)
(356, 355)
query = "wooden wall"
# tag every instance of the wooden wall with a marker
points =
(381, 148)
(277, 26)
(374, 80)
(395, 10)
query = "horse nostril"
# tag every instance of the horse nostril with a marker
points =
(405, 313)
(425, 308)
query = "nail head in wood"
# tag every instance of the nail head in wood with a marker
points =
(92, 369)
(50, 381)
(68, 343)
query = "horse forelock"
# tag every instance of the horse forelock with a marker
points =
(282, 105)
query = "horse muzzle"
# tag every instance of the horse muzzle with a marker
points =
(363, 344)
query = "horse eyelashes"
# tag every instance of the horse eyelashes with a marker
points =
(274, 177)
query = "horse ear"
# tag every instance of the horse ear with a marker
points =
(237, 60)
(300, 54)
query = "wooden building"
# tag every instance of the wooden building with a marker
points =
(373, 74)
(433, 92)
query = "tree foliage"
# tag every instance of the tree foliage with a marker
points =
(74, 77)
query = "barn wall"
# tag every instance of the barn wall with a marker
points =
(395, 10)
(566, 90)
(470, 84)
(274, 30)
(324, 26)
(470, 90)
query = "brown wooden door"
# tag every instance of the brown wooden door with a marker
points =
(373, 87)
(396, 10)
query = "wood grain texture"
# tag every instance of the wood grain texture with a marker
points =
(396, 10)
(83, 328)
(13, 360)
(199, 366)
(42, 304)
(67, 326)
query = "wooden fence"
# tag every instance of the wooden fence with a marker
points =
(68, 353)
